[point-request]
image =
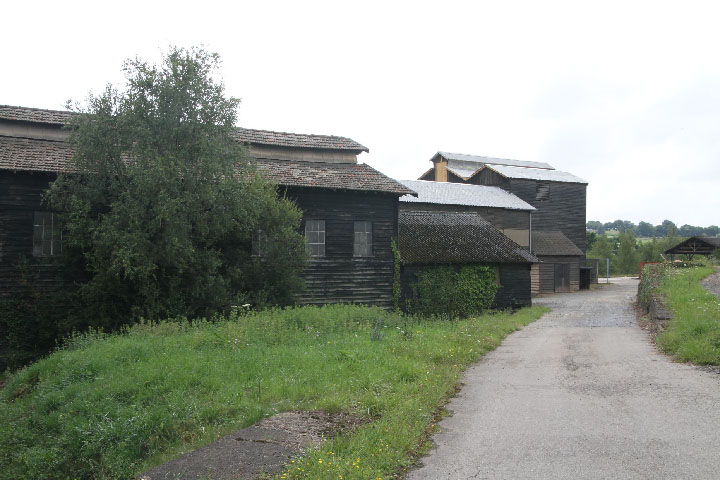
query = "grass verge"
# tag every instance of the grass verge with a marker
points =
(113, 406)
(693, 334)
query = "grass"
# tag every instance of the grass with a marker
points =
(693, 335)
(114, 406)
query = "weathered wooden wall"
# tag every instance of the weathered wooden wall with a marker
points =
(542, 276)
(20, 197)
(338, 277)
(564, 211)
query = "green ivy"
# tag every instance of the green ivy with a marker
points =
(444, 290)
(396, 275)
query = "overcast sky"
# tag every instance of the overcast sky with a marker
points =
(625, 95)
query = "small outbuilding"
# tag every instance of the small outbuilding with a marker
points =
(442, 238)
(559, 264)
(695, 246)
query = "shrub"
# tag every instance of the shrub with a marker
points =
(444, 290)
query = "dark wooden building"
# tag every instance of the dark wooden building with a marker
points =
(350, 209)
(559, 199)
(695, 246)
(449, 238)
(350, 213)
(32, 152)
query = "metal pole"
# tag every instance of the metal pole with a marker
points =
(607, 270)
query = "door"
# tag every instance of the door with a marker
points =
(562, 277)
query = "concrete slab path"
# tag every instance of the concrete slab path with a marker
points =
(580, 394)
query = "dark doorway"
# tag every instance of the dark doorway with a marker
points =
(562, 277)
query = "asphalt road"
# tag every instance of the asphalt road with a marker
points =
(580, 394)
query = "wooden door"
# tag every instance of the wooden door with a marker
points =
(562, 277)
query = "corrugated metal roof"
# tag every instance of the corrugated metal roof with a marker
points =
(535, 174)
(554, 244)
(455, 238)
(478, 160)
(463, 194)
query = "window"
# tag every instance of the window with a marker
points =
(542, 191)
(261, 243)
(47, 235)
(315, 237)
(362, 246)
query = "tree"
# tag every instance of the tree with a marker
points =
(160, 211)
(627, 256)
(590, 239)
(645, 229)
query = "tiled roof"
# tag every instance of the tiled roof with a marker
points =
(535, 174)
(340, 176)
(298, 140)
(36, 115)
(259, 137)
(463, 194)
(34, 155)
(457, 238)
(475, 162)
(553, 243)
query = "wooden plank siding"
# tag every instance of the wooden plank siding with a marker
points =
(563, 211)
(338, 277)
(20, 198)
(542, 277)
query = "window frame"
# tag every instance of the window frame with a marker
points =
(542, 191)
(362, 239)
(261, 243)
(47, 235)
(315, 237)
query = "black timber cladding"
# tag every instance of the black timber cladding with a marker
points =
(564, 210)
(20, 198)
(339, 277)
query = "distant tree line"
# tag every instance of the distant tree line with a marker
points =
(648, 230)
(626, 250)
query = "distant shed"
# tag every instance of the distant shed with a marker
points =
(695, 246)
(433, 238)
(559, 267)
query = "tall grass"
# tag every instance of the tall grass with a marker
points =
(693, 335)
(113, 406)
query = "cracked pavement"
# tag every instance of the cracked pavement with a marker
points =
(582, 393)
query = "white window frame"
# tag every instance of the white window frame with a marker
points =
(315, 237)
(47, 235)
(362, 238)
